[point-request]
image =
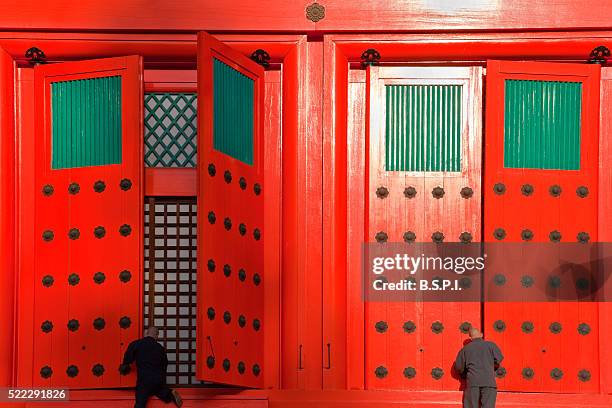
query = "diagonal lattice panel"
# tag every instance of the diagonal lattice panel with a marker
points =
(170, 129)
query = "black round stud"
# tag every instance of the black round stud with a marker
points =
(381, 372)
(227, 176)
(584, 329)
(125, 322)
(409, 327)
(210, 362)
(256, 279)
(242, 275)
(212, 170)
(500, 372)
(554, 236)
(46, 326)
(526, 281)
(584, 375)
(241, 321)
(74, 279)
(582, 283)
(242, 183)
(124, 369)
(499, 279)
(409, 372)
(227, 223)
(257, 189)
(256, 370)
(227, 270)
(583, 237)
(99, 186)
(381, 326)
(99, 277)
(99, 232)
(48, 235)
(74, 233)
(125, 184)
(465, 327)
(210, 265)
(527, 189)
(212, 218)
(46, 372)
(555, 190)
(410, 192)
(466, 192)
(125, 230)
(72, 371)
(499, 326)
(381, 237)
(256, 324)
(437, 192)
(48, 190)
(97, 370)
(499, 188)
(257, 234)
(382, 192)
(582, 191)
(227, 317)
(437, 327)
(527, 327)
(226, 365)
(554, 282)
(73, 325)
(465, 237)
(125, 276)
(242, 229)
(47, 281)
(409, 236)
(499, 234)
(211, 313)
(99, 323)
(555, 327)
(74, 188)
(241, 367)
(437, 237)
(556, 374)
(437, 373)
(526, 235)
(527, 373)
(465, 283)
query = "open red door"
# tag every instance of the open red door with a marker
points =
(88, 221)
(230, 331)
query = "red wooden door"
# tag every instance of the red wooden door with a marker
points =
(541, 166)
(231, 278)
(423, 161)
(88, 220)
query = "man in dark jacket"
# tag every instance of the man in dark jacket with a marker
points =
(478, 361)
(152, 363)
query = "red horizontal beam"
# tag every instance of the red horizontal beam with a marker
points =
(170, 182)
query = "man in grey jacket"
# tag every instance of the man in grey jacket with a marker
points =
(477, 362)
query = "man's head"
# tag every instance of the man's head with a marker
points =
(475, 333)
(152, 332)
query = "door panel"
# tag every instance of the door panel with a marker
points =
(88, 220)
(423, 138)
(231, 279)
(541, 176)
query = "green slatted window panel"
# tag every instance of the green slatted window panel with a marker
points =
(86, 122)
(423, 128)
(542, 124)
(233, 105)
(170, 129)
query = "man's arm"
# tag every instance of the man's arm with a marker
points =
(130, 354)
(460, 362)
(497, 356)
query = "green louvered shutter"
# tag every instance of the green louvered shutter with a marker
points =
(86, 122)
(233, 112)
(542, 124)
(423, 128)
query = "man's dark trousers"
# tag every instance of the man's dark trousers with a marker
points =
(473, 395)
(149, 386)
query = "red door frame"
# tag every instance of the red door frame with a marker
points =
(343, 308)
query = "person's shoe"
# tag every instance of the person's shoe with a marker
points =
(178, 401)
